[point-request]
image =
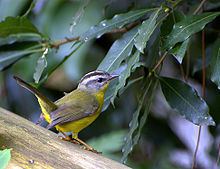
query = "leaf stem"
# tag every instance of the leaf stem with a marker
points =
(29, 9)
(160, 61)
(64, 59)
(197, 147)
(199, 7)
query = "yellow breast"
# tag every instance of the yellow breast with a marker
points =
(78, 125)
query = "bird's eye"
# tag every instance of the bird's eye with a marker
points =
(100, 80)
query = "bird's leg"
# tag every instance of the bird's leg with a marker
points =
(67, 138)
(40, 119)
(86, 146)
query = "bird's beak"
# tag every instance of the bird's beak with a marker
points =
(113, 77)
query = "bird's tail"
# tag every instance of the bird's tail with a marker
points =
(44, 102)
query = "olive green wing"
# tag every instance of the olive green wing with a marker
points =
(74, 109)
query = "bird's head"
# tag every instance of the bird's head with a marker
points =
(96, 81)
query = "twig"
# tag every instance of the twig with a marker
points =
(203, 64)
(50, 71)
(187, 65)
(58, 43)
(203, 84)
(160, 61)
(64, 59)
(203, 95)
(199, 7)
(197, 147)
(125, 28)
(29, 9)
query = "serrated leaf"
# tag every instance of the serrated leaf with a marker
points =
(188, 26)
(78, 15)
(132, 60)
(179, 50)
(215, 63)
(135, 126)
(17, 25)
(118, 52)
(146, 30)
(116, 22)
(186, 101)
(146, 111)
(7, 58)
(41, 65)
(5, 156)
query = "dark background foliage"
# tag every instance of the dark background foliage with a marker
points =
(146, 42)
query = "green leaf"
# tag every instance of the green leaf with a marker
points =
(78, 15)
(130, 82)
(171, 19)
(28, 37)
(185, 100)
(126, 73)
(116, 22)
(5, 156)
(188, 26)
(108, 143)
(146, 111)
(17, 25)
(135, 125)
(7, 58)
(215, 63)
(109, 94)
(179, 50)
(146, 30)
(118, 52)
(41, 65)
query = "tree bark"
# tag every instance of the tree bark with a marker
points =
(35, 147)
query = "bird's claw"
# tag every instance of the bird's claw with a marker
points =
(91, 149)
(69, 139)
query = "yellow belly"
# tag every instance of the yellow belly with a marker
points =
(77, 126)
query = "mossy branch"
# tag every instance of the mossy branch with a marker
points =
(35, 147)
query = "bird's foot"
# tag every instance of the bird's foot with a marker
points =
(90, 149)
(69, 139)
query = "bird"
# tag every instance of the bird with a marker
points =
(77, 109)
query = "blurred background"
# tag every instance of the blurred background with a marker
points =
(167, 140)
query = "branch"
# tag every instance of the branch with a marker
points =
(35, 147)
(58, 43)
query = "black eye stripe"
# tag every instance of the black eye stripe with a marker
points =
(94, 73)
